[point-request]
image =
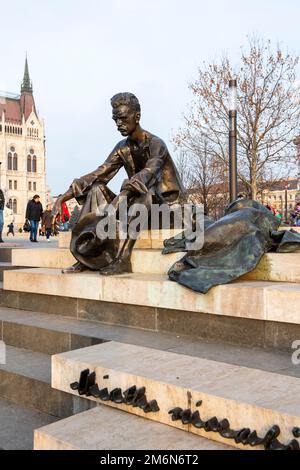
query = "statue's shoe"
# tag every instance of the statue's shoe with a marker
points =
(119, 266)
(75, 268)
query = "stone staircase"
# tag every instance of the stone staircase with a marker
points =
(230, 348)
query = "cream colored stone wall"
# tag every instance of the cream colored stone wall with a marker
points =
(22, 144)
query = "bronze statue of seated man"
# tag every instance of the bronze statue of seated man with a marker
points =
(152, 178)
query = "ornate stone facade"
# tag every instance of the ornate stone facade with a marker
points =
(22, 150)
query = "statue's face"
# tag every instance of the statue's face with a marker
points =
(126, 119)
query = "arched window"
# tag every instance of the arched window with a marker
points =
(34, 164)
(15, 206)
(29, 163)
(9, 161)
(10, 203)
(15, 162)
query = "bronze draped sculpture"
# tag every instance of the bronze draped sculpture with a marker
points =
(233, 246)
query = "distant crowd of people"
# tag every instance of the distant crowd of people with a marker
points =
(37, 221)
(42, 222)
(293, 218)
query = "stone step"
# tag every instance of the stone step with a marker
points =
(47, 334)
(247, 398)
(25, 380)
(5, 266)
(6, 252)
(242, 316)
(149, 239)
(281, 267)
(143, 260)
(260, 300)
(107, 429)
(52, 334)
(18, 424)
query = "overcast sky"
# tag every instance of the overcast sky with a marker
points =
(81, 53)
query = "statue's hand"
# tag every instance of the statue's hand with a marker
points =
(57, 208)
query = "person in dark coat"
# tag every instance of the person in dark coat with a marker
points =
(34, 212)
(47, 221)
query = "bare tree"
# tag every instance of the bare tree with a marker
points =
(268, 114)
(202, 174)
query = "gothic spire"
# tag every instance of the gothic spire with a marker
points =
(26, 86)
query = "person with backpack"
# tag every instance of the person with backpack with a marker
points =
(34, 212)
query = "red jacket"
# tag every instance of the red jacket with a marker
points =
(65, 212)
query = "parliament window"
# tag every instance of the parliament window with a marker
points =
(34, 164)
(15, 162)
(15, 206)
(29, 163)
(29, 186)
(15, 184)
(10, 184)
(9, 161)
(12, 204)
(34, 186)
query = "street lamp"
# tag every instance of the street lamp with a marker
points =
(286, 202)
(232, 139)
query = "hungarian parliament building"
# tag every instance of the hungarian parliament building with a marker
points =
(22, 150)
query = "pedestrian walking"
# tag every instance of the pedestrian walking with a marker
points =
(34, 212)
(11, 229)
(47, 222)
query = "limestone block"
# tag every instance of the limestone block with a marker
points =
(143, 261)
(64, 239)
(260, 300)
(42, 257)
(104, 428)
(246, 397)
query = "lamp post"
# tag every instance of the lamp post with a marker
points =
(232, 139)
(286, 202)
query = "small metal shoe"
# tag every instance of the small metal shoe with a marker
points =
(151, 407)
(91, 380)
(82, 386)
(296, 431)
(186, 416)
(94, 391)
(139, 393)
(212, 424)
(176, 413)
(276, 445)
(104, 395)
(129, 395)
(197, 421)
(74, 385)
(142, 402)
(254, 440)
(242, 435)
(271, 434)
(116, 395)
